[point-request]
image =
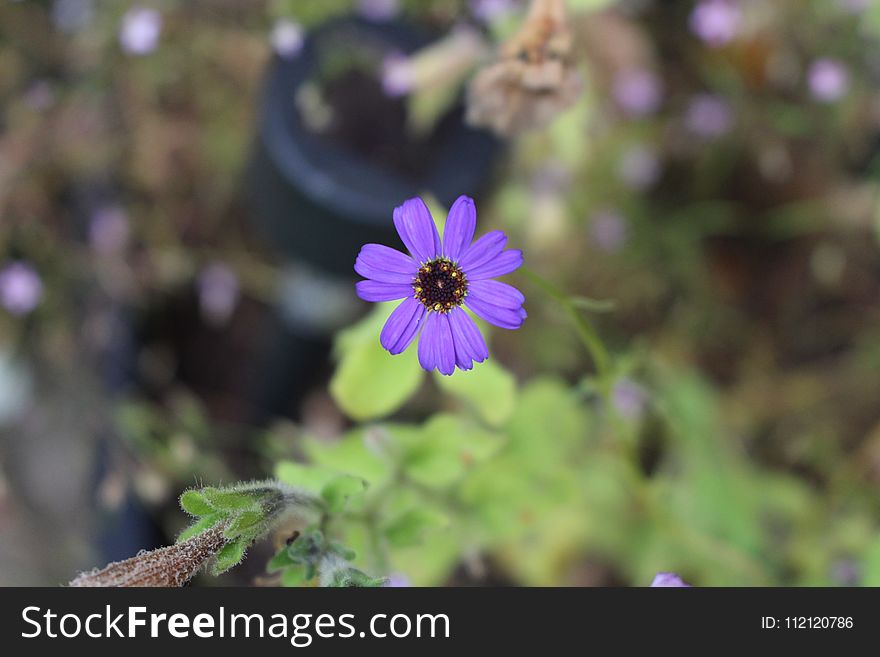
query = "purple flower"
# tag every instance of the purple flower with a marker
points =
(109, 230)
(287, 38)
(397, 74)
(629, 399)
(378, 11)
(828, 80)
(140, 30)
(397, 581)
(20, 288)
(708, 116)
(637, 92)
(488, 11)
(609, 230)
(639, 168)
(670, 580)
(218, 290)
(436, 280)
(716, 22)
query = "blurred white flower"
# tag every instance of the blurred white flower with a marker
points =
(287, 38)
(140, 30)
(20, 288)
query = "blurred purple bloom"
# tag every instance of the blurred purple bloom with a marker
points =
(637, 92)
(378, 10)
(670, 580)
(140, 30)
(109, 230)
(71, 16)
(39, 96)
(854, 6)
(20, 288)
(708, 115)
(629, 399)
(287, 38)
(828, 80)
(397, 581)
(639, 168)
(609, 230)
(436, 280)
(218, 291)
(397, 74)
(716, 22)
(489, 11)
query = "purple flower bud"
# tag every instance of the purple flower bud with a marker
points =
(489, 11)
(716, 22)
(638, 93)
(20, 288)
(218, 291)
(629, 399)
(639, 168)
(109, 231)
(670, 580)
(708, 116)
(378, 11)
(397, 75)
(140, 30)
(398, 580)
(287, 38)
(828, 80)
(609, 231)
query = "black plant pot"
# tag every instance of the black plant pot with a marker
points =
(317, 199)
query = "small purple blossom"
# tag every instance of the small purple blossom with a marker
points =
(287, 38)
(828, 80)
(669, 580)
(20, 288)
(397, 581)
(609, 230)
(489, 11)
(218, 290)
(708, 116)
(629, 399)
(397, 74)
(716, 22)
(639, 168)
(378, 11)
(140, 30)
(436, 280)
(637, 92)
(109, 230)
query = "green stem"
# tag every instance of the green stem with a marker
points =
(585, 330)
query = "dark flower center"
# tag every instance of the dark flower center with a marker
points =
(440, 285)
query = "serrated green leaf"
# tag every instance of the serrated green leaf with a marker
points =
(488, 388)
(230, 555)
(194, 503)
(338, 492)
(409, 527)
(369, 382)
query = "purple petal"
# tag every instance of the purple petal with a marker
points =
(402, 326)
(417, 230)
(376, 291)
(382, 263)
(460, 226)
(497, 303)
(505, 263)
(436, 349)
(669, 580)
(483, 250)
(469, 343)
(496, 293)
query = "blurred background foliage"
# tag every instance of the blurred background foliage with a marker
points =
(714, 180)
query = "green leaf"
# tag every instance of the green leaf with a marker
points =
(203, 523)
(349, 455)
(488, 388)
(408, 528)
(296, 576)
(340, 490)
(281, 560)
(244, 522)
(369, 382)
(194, 503)
(232, 500)
(313, 478)
(230, 555)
